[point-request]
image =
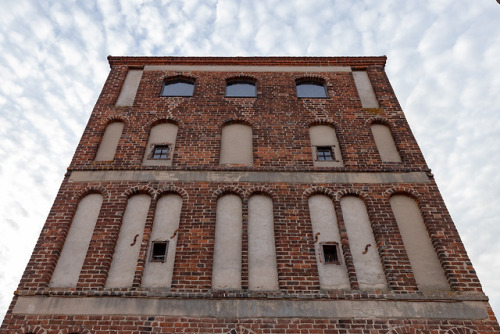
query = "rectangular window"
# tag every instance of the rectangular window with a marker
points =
(158, 251)
(330, 252)
(325, 153)
(160, 152)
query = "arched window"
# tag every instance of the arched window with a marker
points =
(178, 87)
(325, 146)
(310, 88)
(236, 145)
(226, 271)
(109, 142)
(241, 88)
(161, 144)
(159, 265)
(122, 270)
(364, 250)
(423, 258)
(77, 242)
(385, 143)
(332, 270)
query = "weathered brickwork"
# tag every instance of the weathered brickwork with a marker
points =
(280, 125)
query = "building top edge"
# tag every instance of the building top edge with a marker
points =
(356, 62)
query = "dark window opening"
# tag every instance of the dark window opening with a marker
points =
(311, 89)
(325, 153)
(159, 251)
(178, 88)
(160, 152)
(241, 89)
(330, 253)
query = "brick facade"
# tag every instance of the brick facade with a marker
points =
(281, 148)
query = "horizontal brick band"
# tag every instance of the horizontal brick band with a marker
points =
(246, 176)
(251, 308)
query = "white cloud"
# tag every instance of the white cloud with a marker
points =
(443, 59)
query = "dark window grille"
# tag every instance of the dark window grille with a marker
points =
(311, 89)
(330, 253)
(325, 153)
(159, 251)
(178, 88)
(241, 89)
(160, 152)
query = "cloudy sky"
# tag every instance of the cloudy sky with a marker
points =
(443, 62)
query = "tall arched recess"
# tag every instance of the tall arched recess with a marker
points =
(332, 269)
(123, 266)
(236, 145)
(367, 264)
(161, 145)
(226, 271)
(325, 146)
(159, 265)
(262, 266)
(423, 258)
(385, 143)
(77, 242)
(109, 142)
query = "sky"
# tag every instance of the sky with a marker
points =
(443, 63)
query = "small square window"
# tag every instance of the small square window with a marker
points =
(158, 251)
(325, 153)
(330, 253)
(160, 152)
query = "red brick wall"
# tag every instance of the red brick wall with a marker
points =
(280, 125)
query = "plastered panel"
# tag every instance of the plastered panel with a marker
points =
(122, 270)
(423, 259)
(385, 143)
(236, 145)
(165, 225)
(325, 229)
(226, 272)
(129, 88)
(77, 242)
(262, 267)
(364, 251)
(109, 142)
(164, 134)
(323, 135)
(365, 89)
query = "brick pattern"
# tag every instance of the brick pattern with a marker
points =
(280, 123)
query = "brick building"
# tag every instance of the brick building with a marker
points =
(249, 195)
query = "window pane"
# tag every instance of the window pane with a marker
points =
(311, 89)
(178, 88)
(241, 89)
(325, 153)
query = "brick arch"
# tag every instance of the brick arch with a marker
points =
(240, 77)
(114, 118)
(318, 190)
(261, 190)
(321, 121)
(228, 190)
(378, 120)
(310, 77)
(461, 330)
(237, 120)
(171, 189)
(352, 192)
(406, 191)
(239, 329)
(159, 120)
(168, 78)
(405, 330)
(91, 190)
(147, 190)
(75, 329)
(31, 330)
